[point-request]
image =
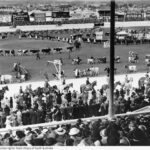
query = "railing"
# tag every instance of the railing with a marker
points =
(55, 123)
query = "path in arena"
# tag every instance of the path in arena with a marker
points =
(14, 88)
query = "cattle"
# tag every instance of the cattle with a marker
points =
(6, 78)
(70, 48)
(94, 71)
(25, 52)
(12, 52)
(117, 59)
(76, 61)
(1, 53)
(19, 53)
(90, 61)
(131, 68)
(101, 60)
(7, 52)
(34, 51)
(46, 51)
(59, 49)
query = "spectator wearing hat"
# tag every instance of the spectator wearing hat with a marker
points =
(60, 135)
(74, 134)
(28, 140)
(136, 135)
(104, 137)
(5, 140)
(86, 138)
(95, 130)
(69, 142)
(50, 142)
(124, 141)
(20, 137)
(112, 132)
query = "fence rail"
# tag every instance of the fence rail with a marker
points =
(145, 110)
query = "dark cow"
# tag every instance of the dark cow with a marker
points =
(59, 49)
(34, 51)
(117, 59)
(12, 52)
(101, 60)
(1, 53)
(25, 52)
(7, 52)
(46, 51)
(70, 48)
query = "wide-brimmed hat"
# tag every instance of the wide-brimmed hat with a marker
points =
(44, 131)
(103, 133)
(74, 131)
(60, 131)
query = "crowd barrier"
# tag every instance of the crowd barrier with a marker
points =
(56, 123)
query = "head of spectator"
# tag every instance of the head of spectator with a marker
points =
(50, 141)
(75, 135)
(69, 142)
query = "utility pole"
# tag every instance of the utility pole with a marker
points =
(112, 55)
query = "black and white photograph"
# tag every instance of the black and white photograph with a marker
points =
(74, 73)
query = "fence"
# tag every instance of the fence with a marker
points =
(145, 110)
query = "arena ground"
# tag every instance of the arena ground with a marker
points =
(76, 83)
(38, 68)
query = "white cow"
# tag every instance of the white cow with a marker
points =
(90, 61)
(6, 78)
(132, 68)
(94, 70)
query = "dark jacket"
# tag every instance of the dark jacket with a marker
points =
(20, 143)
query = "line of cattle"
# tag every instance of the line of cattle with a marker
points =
(26, 52)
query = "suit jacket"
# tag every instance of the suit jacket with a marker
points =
(20, 143)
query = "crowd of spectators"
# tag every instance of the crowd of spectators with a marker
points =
(73, 21)
(120, 131)
(48, 104)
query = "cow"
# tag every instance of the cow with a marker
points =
(1, 53)
(101, 60)
(7, 52)
(70, 48)
(130, 68)
(117, 59)
(90, 61)
(94, 71)
(34, 51)
(46, 51)
(25, 52)
(76, 61)
(6, 78)
(12, 52)
(19, 53)
(59, 49)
